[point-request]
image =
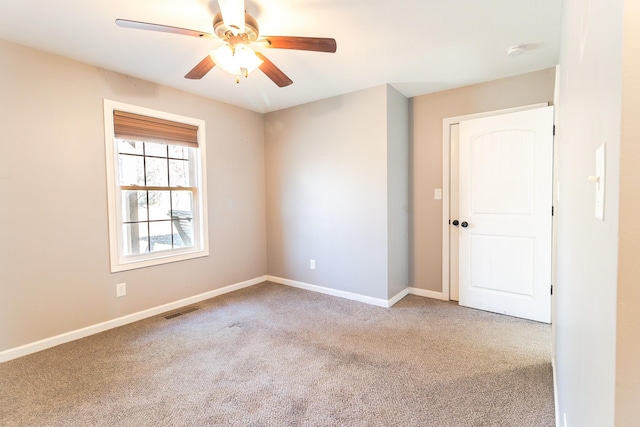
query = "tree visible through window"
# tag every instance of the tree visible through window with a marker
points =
(156, 194)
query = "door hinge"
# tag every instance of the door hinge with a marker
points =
(554, 130)
(552, 210)
(551, 289)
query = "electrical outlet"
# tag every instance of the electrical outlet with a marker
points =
(312, 264)
(121, 289)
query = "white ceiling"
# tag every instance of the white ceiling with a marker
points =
(417, 46)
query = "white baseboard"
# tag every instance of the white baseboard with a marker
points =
(426, 293)
(46, 343)
(403, 293)
(555, 390)
(336, 293)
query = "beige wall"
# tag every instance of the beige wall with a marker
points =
(590, 83)
(628, 316)
(327, 196)
(54, 256)
(428, 113)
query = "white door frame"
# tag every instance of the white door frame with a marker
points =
(446, 190)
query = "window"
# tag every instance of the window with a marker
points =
(155, 183)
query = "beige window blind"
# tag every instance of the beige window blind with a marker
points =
(137, 127)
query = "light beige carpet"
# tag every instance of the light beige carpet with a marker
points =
(272, 355)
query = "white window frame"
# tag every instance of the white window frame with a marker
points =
(200, 248)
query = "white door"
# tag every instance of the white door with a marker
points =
(454, 244)
(505, 201)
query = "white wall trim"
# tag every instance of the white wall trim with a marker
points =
(34, 347)
(446, 163)
(397, 297)
(555, 391)
(427, 294)
(337, 293)
(46, 343)
(358, 297)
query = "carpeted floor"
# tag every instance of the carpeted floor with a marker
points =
(272, 355)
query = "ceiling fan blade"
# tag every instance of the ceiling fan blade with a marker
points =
(316, 44)
(201, 69)
(233, 15)
(125, 23)
(273, 72)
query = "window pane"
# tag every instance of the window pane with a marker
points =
(182, 202)
(134, 206)
(131, 170)
(129, 147)
(157, 172)
(135, 238)
(179, 173)
(183, 233)
(153, 149)
(178, 152)
(182, 215)
(160, 235)
(159, 205)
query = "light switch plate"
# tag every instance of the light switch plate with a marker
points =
(437, 194)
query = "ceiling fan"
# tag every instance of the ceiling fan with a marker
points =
(239, 31)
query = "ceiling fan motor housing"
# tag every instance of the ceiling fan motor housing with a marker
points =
(250, 34)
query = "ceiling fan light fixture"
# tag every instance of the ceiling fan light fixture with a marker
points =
(246, 58)
(238, 60)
